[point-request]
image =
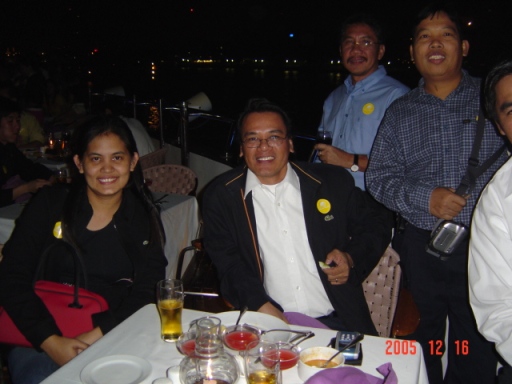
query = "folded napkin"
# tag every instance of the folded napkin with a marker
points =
(352, 375)
(297, 318)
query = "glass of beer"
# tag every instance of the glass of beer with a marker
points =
(262, 366)
(169, 295)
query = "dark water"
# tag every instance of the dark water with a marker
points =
(299, 91)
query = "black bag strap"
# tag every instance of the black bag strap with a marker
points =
(473, 171)
(79, 268)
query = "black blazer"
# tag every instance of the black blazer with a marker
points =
(355, 224)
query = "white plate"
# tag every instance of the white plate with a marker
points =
(116, 369)
(260, 320)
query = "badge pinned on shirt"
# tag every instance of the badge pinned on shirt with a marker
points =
(57, 230)
(368, 108)
(323, 206)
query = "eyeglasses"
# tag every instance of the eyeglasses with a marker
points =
(364, 44)
(272, 141)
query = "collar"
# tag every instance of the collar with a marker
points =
(367, 82)
(465, 81)
(253, 182)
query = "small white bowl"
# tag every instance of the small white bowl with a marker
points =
(316, 353)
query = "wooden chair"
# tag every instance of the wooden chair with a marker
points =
(154, 158)
(407, 315)
(170, 178)
(381, 291)
(200, 281)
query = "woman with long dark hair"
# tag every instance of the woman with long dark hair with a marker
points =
(108, 216)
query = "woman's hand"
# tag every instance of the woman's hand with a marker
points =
(62, 349)
(91, 336)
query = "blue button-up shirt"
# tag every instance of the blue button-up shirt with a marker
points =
(424, 143)
(353, 112)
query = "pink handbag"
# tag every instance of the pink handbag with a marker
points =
(70, 306)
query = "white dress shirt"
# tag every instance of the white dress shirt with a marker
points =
(291, 276)
(490, 262)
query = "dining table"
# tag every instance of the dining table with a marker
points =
(179, 215)
(138, 337)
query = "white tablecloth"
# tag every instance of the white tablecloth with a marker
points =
(139, 336)
(180, 218)
(8, 215)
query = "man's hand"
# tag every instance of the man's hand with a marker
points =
(62, 349)
(445, 203)
(339, 274)
(335, 156)
(269, 309)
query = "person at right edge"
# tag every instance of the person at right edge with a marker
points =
(490, 256)
(419, 158)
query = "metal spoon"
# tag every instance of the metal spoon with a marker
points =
(263, 332)
(304, 337)
(242, 311)
(354, 341)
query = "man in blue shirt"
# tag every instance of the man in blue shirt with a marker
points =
(353, 111)
(418, 160)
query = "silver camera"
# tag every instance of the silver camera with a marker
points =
(446, 236)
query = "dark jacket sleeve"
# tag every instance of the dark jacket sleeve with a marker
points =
(21, 255)
(230, 244)
(18, 164)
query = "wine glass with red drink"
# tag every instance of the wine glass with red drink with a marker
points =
(237, 337)
(324, 137)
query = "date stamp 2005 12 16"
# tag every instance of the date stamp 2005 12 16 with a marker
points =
(409, 347)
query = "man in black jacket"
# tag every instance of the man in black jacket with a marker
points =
(271, 225)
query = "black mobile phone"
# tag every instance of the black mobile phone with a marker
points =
(354, 354)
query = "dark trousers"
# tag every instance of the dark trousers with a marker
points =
(440, 290)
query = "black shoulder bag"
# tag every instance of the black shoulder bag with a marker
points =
(447, 234)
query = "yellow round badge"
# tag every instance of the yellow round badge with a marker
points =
(323, 206)
(57, 230)
(368, 108)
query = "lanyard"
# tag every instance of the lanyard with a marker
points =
(473, 171)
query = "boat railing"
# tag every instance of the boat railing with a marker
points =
(185, 115)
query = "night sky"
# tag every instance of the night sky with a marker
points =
(163, 28)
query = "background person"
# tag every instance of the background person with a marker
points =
(19, 176)
(31, 134)
(490, 246)
(268, 224)
(109, 216)
(353, 111)
(418, 159)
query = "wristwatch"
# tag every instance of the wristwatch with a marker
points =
(355, 166)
